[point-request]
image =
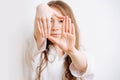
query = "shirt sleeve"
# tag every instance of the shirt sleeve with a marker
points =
(32, 58)
(36, 57)
(35, 64)
(89, 74)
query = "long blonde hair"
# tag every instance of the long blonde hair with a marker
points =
(66, 11)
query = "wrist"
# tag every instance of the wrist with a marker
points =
(72, 51)
(40, 43)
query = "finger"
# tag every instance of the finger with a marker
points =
(44, 26)
(53, 40)
(73, 29)
(69, 25)
(66, 24)
(35, 37)
(35, 23)
(41, 27)
(48, 27)
(63, 27)
(38, 26)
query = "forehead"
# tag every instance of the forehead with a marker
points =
(56, 12)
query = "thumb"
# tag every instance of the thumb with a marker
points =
(53, 40)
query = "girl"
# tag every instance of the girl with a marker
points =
(56, 54)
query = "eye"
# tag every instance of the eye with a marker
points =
(61, 21)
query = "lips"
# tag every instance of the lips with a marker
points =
(55, 35)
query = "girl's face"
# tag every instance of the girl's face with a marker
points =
(56, 24)
(43, 10)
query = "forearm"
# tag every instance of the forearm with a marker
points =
(78, 59)
(41, 44)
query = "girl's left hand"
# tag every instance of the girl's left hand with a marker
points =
(67, 42)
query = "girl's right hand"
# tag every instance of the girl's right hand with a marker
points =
(43, 15)
(41, 30)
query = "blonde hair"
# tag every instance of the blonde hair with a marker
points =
(66, 11)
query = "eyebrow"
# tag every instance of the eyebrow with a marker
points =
(56, 18)
(53, 16)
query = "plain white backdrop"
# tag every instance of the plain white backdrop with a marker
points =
(99, 23)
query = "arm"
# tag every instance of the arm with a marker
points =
(86, 74)
(79, 60)
(43, 11)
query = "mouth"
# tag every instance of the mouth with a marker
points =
(55, 35)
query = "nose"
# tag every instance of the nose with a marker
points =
(55, 26)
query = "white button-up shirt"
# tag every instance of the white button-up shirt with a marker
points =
(55, 68)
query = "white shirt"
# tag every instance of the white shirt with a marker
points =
(55, 68)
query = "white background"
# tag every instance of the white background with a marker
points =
(99, 22)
